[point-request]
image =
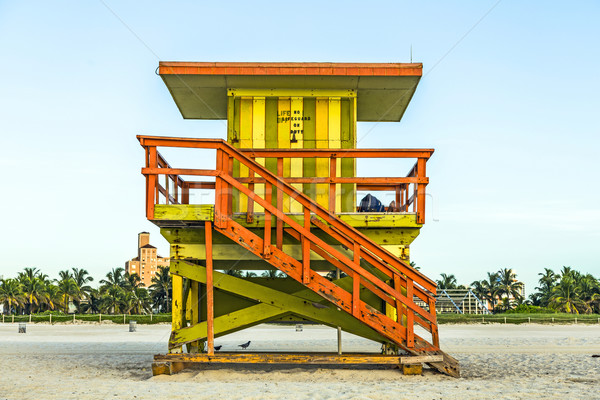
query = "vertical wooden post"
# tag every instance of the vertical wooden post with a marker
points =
(177, 308)
(399, 307)
(279, 227)
(355, 293)
(306, 248)
(151, 184)
(193, 311)
(219, 189)
(229, 187)
(332, 175)
(355, 280)
(225, 187)
(410, 316)
(421, 162)
(210, 333)
(167, 189)
(267, 235)
(339, 329)
(185, 193)
(250, 208)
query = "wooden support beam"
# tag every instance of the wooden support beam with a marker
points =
(210, 313)
(306, 248)
(279, 227)
(296, 358)
(273, 303)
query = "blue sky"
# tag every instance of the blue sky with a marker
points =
(510, 103)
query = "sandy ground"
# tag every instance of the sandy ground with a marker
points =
(107, 362)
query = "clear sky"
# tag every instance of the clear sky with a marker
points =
(509, 99)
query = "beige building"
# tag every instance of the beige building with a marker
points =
(147, 261)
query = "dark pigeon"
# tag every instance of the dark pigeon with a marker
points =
(245, 345)
(217, 348)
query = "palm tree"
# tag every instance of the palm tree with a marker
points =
(112, 298)
(492, 285)
(32, 287)
(94, 302)
(547, 281)
(565, 297)
(81, 277)
(447, 282)
(140, 302)
(51, 297)
(11, 295)
(589, 291)
(509, 287)
(67, 290)
(131, 281)
(161, 289)
(479, 289)
(114, 278)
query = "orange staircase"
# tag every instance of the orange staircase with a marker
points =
(370, 266)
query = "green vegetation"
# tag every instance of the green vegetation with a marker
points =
(32, 292)
(518, 318)
(568, 291)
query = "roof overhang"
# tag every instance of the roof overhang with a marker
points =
(200, 88)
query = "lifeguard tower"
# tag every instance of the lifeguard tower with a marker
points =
(285, 199)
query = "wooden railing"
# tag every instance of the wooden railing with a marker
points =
(409, 190)
(385, 275)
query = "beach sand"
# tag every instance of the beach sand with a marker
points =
(105, 361)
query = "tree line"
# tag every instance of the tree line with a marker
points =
(118, 293)
(567, 291)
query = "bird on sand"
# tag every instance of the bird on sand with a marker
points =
(245, 345)
(217, 348)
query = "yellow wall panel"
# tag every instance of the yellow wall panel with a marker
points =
(245, 141)
(296, 142)
(258, 140)
(322, 142)
(283, 139)
(335, 141)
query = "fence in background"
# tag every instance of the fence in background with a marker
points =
(118, 318)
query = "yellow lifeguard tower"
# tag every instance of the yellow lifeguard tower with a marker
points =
(285, 198)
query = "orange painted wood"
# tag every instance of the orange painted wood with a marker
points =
(316, 69)
(305, 243)
(279, 227)
(267, 234)
(410, 318)
(210, 313)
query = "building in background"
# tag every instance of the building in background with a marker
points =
(147, 261)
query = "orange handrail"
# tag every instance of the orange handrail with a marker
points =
(402, 275)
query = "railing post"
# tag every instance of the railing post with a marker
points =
(185, 193)
(225, 188)
(435, 337)
(410, 316)
(229, 187)
(332, 191)
(167, 189)
(250, 208)
(210, 333)
(306, 248)
(355, 294)
(267, 235)
(151, 183)
(399, 308)
(279, 227)
(220, 192)
(421, 162)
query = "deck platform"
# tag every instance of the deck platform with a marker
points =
(169, 364)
